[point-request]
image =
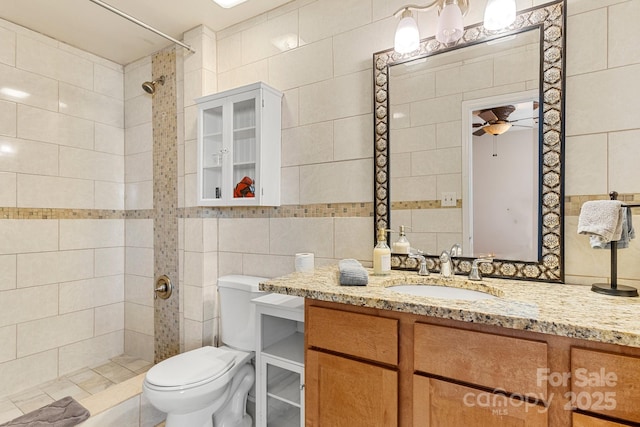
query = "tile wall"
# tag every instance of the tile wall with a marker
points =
(62, 227)
(325, 71)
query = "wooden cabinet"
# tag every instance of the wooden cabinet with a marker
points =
(364, 365)
(349, 393)
(239, 137)
(443, 403)
(350, 369)
(605, 383)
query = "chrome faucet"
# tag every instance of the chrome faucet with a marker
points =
(474, 274)
(423, 271)
(446, 265)
(456, 250)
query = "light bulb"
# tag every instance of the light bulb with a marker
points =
(407, 35)
(450, 26)
(499, 14)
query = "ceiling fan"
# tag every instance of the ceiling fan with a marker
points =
(496, 120)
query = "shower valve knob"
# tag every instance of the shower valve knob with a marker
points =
(163, 288)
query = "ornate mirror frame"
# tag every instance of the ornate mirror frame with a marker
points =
(551, 20)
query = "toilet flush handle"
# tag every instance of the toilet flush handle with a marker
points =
(163, 287)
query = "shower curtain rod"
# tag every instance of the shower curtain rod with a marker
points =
(142, 24)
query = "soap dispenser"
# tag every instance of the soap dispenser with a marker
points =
(381, 255)
(401, 246)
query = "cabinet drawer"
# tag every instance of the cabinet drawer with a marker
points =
(582, 420)
(441, 403)
(606, 383)
(360, 335)
(498, 362)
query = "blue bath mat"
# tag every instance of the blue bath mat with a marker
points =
(65, 412)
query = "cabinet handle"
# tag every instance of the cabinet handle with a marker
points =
(301, 387)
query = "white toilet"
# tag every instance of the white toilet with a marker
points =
(210, 384)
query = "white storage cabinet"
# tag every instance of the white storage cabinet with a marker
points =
(239, 134)
(279, 361)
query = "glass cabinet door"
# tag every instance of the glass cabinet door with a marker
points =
(244, 148)
(284, 397)
(212, 152)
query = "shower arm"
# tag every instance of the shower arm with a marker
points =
(142, 24)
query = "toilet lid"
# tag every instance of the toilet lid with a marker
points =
(206, 363)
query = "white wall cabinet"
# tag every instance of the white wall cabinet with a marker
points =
(239, 134)
(279, 361)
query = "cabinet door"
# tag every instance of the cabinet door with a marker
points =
(243, 146)
(229, 149)
(342, 392)
(582, 420)
(439, 403)
(212, 151)
(606, 383)
(284, 394)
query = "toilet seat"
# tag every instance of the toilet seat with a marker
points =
(191, 369)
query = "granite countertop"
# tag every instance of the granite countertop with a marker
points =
(565, 310)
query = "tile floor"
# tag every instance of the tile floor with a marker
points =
(78, 385)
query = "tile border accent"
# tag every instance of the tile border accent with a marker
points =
(572, 204)
(338, 210)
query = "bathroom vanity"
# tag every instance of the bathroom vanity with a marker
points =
(537, 354)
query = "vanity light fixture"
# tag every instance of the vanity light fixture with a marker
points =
(499, 14)
(450, 28)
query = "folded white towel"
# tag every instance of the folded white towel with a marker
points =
(602, 219)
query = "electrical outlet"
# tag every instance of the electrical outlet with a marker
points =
(448, 199)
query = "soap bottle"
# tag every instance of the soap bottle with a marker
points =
(381, 255)
(401, 246)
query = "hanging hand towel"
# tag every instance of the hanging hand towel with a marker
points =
(602, 220)
(352, 273)
(628, 233)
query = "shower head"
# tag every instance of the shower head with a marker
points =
(150, 87)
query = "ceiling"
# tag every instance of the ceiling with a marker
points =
(92, 28)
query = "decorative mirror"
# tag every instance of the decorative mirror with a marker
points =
(456, 127)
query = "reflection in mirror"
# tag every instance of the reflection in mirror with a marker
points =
(501, 188)
(430, 103)
(451, 186)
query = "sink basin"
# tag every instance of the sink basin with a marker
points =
(444, 292)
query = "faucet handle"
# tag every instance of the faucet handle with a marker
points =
(424, 271)
(456, 250)
(474, 274)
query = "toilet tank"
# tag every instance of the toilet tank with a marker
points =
(237, 313)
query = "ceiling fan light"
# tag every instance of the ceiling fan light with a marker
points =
(497, 128)
(450, 25)
(499, 14)
(407, 37)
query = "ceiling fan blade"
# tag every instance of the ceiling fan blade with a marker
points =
(524, 118)
(504, 111)
(477, 125)
(479, 132)
(488, 115)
